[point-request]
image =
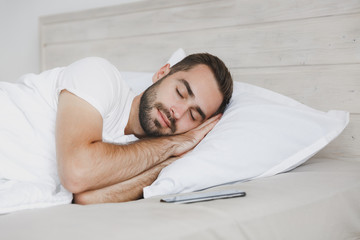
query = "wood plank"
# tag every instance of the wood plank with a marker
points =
(117, 10)
(322, 87)
(170, 16)
(347, 145)
(123, 9)
(327, 40)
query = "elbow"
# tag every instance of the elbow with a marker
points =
(72, 184)
(82, 199)
(73, 179)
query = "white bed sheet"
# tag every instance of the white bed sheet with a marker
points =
(318, 200)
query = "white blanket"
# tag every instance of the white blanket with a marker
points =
(28, 173)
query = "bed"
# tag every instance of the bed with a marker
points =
(307, 50)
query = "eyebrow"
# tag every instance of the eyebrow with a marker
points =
(188, 88)
(191, 93)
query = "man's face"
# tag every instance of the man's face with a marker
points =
(180, 102)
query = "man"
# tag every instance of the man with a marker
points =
(95, 110)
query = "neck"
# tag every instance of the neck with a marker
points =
(133, 125)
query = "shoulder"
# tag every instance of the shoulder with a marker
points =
(93, 69)
(93, 79)
(98, 60)
(93, 62)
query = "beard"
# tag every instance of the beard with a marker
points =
(152, 127)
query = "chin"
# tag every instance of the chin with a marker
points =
(163, 132)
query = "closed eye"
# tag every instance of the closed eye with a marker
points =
(192, 116)
(178, 92)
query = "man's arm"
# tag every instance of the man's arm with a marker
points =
(86, 163)
(128, 190)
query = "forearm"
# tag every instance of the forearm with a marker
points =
(100, 164)
(131, 189)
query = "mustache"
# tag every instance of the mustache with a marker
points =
(162, 108)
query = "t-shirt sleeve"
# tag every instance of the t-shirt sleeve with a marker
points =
(93, 79)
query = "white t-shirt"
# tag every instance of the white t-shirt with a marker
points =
(28, 172)
(96, 81)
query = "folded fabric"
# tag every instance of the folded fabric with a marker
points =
(261, 133)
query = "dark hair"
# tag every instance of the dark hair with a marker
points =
(218, 68)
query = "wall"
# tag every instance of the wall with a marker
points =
(19, 39)
(305, 49)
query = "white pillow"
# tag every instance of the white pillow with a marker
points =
(261, 133)
(137, 81)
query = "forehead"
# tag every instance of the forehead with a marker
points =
(204, 86)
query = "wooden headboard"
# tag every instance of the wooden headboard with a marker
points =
(308, 50)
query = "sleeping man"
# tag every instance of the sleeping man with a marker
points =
(106, 142)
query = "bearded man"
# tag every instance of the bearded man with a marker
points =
(108, 143)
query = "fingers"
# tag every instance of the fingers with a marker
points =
(210, 121)
(187, 141)
(208, 125)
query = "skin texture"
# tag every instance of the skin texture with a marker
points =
(96, 171)
(124, 191)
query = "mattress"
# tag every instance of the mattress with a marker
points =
(318, 200)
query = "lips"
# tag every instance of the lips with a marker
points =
(164, 120)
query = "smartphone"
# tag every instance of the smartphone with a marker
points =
(204, 196)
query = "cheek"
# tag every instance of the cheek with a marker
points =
(170, 99)
(165, 92)
(184, 125)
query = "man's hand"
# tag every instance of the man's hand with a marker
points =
(187, 141)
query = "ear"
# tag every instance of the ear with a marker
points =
(163, 71)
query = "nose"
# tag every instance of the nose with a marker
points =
(177, 111)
